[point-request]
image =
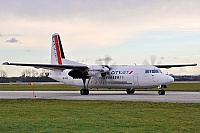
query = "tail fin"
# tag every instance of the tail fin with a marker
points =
(57, 53)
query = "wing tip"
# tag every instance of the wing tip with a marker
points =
(5, 63)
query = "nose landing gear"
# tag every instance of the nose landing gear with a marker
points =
(130, 91)
(162, 91)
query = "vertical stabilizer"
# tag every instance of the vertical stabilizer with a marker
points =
(57, 53)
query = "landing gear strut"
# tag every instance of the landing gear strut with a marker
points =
(84, 90)
(130, 91)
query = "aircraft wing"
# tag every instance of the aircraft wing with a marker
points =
(49, 66)
(169, 66)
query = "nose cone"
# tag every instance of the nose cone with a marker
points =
(170, 79)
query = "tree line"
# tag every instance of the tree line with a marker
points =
(28, 73)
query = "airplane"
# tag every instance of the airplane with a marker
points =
(129, 77)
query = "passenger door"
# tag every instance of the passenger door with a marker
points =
(135, 80)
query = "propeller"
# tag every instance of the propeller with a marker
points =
(152, 60)
(104, 63)
(106, 60)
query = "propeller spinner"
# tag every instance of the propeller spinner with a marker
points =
(104, 63)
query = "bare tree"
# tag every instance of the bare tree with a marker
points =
(23, 74)
(44, 73)
(34, 73)
(3, 73)
(30, 73)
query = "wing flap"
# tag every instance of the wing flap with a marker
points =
(49, 66)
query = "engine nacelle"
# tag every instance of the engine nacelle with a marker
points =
(77, 74)
(92, 73)
(105, 69)
(83, 74)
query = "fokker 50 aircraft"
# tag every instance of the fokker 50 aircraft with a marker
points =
(102, 76)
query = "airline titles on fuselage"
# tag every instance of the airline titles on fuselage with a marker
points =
(121, 72)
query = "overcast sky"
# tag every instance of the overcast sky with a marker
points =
(129, 31)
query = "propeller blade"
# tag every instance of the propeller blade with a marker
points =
(99, 61)
(145, 62)
(160, 62)
(105, 65)
(107, 59)
(153, 59)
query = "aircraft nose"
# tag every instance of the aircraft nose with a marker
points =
(170, 79)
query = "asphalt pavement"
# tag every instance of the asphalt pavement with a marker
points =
(149, 96)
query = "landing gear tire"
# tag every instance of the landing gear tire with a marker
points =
(84, 91)
(130, 91)
(161, 92)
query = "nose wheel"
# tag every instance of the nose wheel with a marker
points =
(161, 92)
(130, 91)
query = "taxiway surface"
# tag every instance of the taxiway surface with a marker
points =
(151, 96)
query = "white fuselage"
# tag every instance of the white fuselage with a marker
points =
(119, 77)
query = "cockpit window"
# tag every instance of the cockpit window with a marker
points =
(153, 71)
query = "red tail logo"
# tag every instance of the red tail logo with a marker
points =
(57, 46)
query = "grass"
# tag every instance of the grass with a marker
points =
(63, 87)
(184, 86)
(36, 115)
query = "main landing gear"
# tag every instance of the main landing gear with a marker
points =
(130, 91)
(84, 90)
(162, 92)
